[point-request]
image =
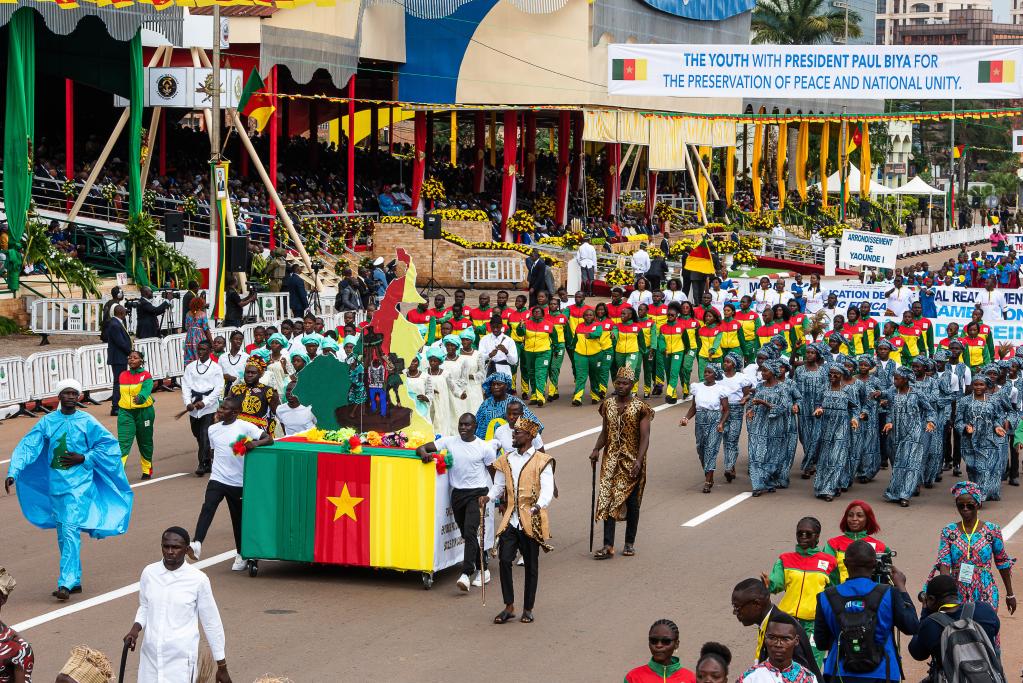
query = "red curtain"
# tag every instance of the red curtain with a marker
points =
(564, 168)
(511, 134)
(419, 163)
(480, 143)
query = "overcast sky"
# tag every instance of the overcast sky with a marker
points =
(1001, 8)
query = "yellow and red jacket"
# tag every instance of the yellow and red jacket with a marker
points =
(732, 335)
(764, 334)
(927, 327)
(137, 383)
(459, 324)
(417, 318)
(898, 348)
(799, 326)
(857, 334)
(913, 336)
(975, 353)
(514, 317)
(587, 339)
(605, 338)
(536, 336)
(872, 326)
(691, 326)
(649, 327)
(559, 321)
(628, 338)
(837, 546)
(480, 318)
(710, 342)
(575, 315)
(750, 322)
(614, 311)
(802, 575)
(672, 339)
(658, 313)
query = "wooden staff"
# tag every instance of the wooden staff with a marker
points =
(483, 538)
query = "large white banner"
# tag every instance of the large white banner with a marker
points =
(955, 303)
(868, 249)
(869, 72)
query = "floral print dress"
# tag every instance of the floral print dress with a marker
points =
(980, 548)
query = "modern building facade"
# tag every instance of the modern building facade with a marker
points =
(893, 14)
(964, 27)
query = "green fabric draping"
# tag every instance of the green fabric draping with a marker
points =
(19, 134)
(133, 265)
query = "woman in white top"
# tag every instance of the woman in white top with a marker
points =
(718, 296)
(472, 367)
(813, 295)
(439, 390)
(641, 295)
(415, 385)
(292, 416)
(232, 361)
(738, 387)
(710, 406)
(458, 378)
(674, 292)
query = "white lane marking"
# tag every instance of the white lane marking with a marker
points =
(1012, 527)
(593, 430)
(4, 462)
(153, 481)
(718, 509)
(107, 597)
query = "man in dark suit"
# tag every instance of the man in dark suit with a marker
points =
(118, 348)
(752, 606)
(536, 277)
(148, 315)
(293, 284)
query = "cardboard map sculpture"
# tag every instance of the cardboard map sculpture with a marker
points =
(336, 391)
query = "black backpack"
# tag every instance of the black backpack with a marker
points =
(858, 649)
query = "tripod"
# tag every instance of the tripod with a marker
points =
(432, 284)
(314, 297)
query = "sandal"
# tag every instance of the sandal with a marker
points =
(758, 493)
(605, 553)
(707, 486)
(729, 476)
(527, 617)
(504, 617)
(904, 503)
(629, 550)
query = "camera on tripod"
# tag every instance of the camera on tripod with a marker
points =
(883, 568)
(317, 265)
(254, 287)
(169, 294)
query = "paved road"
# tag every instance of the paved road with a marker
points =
(333, 624)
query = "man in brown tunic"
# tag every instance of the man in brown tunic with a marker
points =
(624, 438)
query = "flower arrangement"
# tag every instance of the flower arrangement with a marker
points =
(461, 241)
(655, 252)
(594, 198)
(109, 193)
(404, 220)
(716, 227)
(833, 232)
(69, 188)
(666, 212)
(762, 222)
(372, 438)
(750, 243)
(679, 248)
(725, 245)
(149, 201)
(416, 438)
(638, 208)
(744, 257)
(433, 189)
(543, 207)
(463, 215)
(190, 205)
(521, 221)
(240, 447)
(619, 277)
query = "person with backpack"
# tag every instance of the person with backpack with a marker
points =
(957, 636)
(856, 621)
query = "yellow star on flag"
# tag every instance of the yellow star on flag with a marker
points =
(344, 504)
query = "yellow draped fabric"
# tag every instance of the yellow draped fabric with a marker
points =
(758, 150)
(825, 135)
(667, 145)
(865, 162)
(454, 138)
(802, 152)
(701, 180)
(729, 175)
(843, 162)
(783, 139)
(600, 126)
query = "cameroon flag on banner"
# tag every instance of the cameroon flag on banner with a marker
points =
(307, 504)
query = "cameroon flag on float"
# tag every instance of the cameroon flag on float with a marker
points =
(304, 503)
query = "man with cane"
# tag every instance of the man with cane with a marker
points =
(624, 439)
(469, 480)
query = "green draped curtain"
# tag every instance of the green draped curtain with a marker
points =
(137, 97)
(19, 133)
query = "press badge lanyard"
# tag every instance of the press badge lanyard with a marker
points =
(966, 569)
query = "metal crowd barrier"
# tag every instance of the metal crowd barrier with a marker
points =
(493, 269)
(46, 369)
(173, 352)
(93, 371)
(15, 383)
(152, 351)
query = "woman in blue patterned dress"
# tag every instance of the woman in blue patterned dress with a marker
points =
(978, 420)
(1001, 395)
(836, 413)
(910, 420)
(710, 406)
(810, 378)
(969, 547)
(858, 390)
(926, 385)
(868, 460)
(739, 387)
(765, 435)
(791, 427)
(941, 400)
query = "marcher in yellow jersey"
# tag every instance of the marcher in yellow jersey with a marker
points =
(651, 384)
(709, 337)
(513, 317)
(672, 344)
(687, 319)
(560, 323)
(913, 336)
(537, 339)
(606, 344)
(629, 343)
(733, 336)
(750, 324)
(588, 357)
(575, 317)
(659, 312)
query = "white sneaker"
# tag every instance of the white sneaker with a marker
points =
(196, 547)
(486, 578)
(463, 583)
(520, 562)
(239, 564)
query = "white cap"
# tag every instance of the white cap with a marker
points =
(69, 384)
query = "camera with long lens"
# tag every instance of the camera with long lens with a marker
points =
(170, 294)
(883, 567)
(254, 287)
(317, 265)
(130, 304)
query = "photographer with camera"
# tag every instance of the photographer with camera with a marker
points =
(298, 299)
(856, 621)
(235, 304)
(150, 313)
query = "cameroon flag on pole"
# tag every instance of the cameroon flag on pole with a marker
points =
(259, 105)
(308, 504)
(699, 259)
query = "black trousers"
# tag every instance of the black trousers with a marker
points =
(466, 509)
(201, 432)
(216, 492)
(512, 541)
(699, 284)
(631, 521)
(1013, 471)
(116, 370)
(952, 454)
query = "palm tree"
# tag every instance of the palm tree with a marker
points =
(801, 22)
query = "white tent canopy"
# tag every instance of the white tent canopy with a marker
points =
(853, 181)
(917, 186)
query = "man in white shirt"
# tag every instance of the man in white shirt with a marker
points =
(226, 438)
(202, 387)
(504, 433)
(778, 239)
(525, 480)
(469, 481)
(780, 295)
(640, 261)
(992, 302)
(174, 598)
(498, 348)
(293, 416)
(586, 257)
(899, 298)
